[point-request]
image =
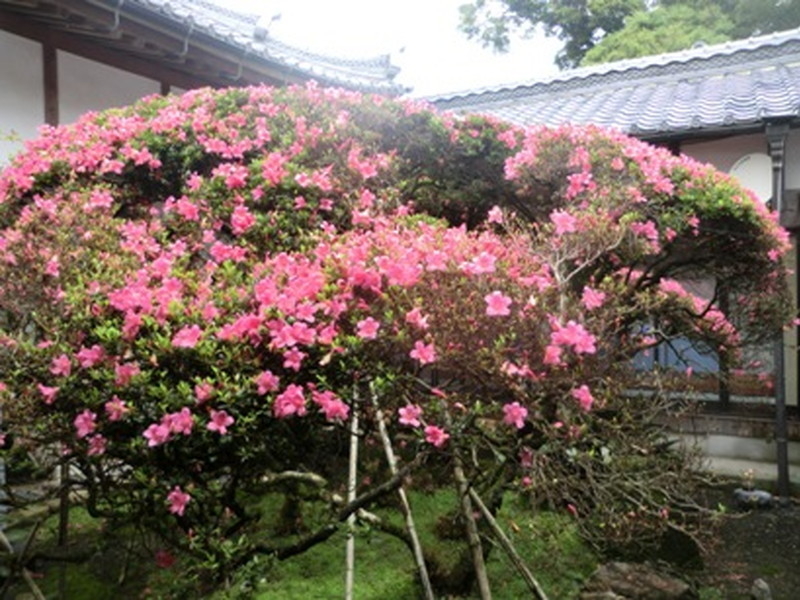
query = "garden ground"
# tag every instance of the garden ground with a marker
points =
(757, 544)
(749, 545)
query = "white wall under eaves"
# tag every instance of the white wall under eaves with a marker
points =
(21, 92)
(724, 153)
(85, 85)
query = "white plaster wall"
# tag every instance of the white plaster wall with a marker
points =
(86, 85)
(724, 153)
(21, 91)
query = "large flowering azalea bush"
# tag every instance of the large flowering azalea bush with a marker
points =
(198, 292)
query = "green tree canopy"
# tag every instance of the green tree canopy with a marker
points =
(668, 29)
(606, 30)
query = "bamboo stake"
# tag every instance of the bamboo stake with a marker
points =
(419, 557)
(63, 525)
(473, 537)
(508, 546)
(350, 550)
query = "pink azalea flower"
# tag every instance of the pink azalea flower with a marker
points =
(436, 260)
(436, 436)
(293, 359)
(203, 392)
(424, 353)
(497, 304)
(564, 222)
(61, 366)
(89, 357)
(368, 328)
(187, 209)
(647, 230)
(85, 423)
(552, 355)
(575, 335)
(48, 393)
(290, 402)
(125, 372)
(177, 500)
(515, 414)
(116, 409)
(52, 267)
(410, 414)
(417, 319)
(156, 434)
(267, 382)
(187, 337)
(483, 263)
(97, 445)
(584, 396)
(241, 220)
(333, 408)
(131, 325)
(592, 299)
(220, 421)
(495, 215)
(180, 422)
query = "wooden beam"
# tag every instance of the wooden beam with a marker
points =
(50, 72)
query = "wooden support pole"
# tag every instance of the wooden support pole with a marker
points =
(405, 506)
(50, 83)
(506, 544)
(352, 475)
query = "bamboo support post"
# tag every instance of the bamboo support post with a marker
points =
(350, 550)
(508, 546)
(419, 556)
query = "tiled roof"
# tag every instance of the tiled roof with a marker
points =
(728, 86)
(200, 38)
(245, 32)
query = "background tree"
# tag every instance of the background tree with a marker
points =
(667, 29)
(625, 28)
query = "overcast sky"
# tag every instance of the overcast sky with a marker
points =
(420, 35)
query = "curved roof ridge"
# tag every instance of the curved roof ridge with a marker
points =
(731, 86)
(679, 57)
(242, 30)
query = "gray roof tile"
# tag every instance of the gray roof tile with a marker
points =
(374, 74)
(731, 85)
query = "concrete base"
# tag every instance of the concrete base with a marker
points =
(731, 456)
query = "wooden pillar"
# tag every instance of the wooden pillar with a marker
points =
(50, 62)
(776, 143)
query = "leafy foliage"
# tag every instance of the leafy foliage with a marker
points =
(668, 29)
(597, 31)
(199, 291)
